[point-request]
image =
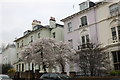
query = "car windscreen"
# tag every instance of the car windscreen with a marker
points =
(63, 76)
(4, 77)
(44, 76)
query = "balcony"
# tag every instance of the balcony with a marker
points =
(85, 46)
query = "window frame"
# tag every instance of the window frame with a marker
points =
(84, 21)
(69, 26)
(53, 34)
(114, 9)
(70, 43)
(38, 35)
(31, 39)
(117, 58)
(114, 33)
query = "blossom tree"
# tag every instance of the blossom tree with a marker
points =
(43, 52)
(48, 53)
(63, 54)
(27, 55)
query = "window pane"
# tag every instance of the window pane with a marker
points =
(22, 67)
(83, 39)
(118, 56)
(114, 9)
(119, 66)
(69, 27)
(119, 32)
(114, 56)
(84, 20)
(87, 38)
(38, 35)
(113, 33)
(71, 43)
(54, 35)
(116, 66)
(17, 45)
(31, 38)
(22, 43)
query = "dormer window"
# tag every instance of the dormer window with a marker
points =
(86, 4)
(35, 27)
(83, 6)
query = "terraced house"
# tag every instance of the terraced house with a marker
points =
(97, 23)
(53, 30)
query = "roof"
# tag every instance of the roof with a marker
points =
(59, 25)
(32, 32)
(83, 11)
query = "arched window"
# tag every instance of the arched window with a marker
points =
(114, 9)
(85, 38)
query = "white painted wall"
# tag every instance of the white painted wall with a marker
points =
(9, 55)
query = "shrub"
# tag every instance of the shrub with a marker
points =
(12, 70)
(115, 73)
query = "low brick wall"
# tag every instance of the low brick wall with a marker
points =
(29, 75)
(97, 78)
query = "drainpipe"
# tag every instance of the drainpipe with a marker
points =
(96, 26)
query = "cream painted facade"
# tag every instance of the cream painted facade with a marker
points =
(105, 23)
(53, 30)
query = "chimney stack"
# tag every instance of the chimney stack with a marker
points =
(35, 22)
(52, 22)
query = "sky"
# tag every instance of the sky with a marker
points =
(16, 16)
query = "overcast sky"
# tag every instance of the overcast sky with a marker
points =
(17, 16)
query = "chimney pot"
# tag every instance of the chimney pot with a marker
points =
(52, 18)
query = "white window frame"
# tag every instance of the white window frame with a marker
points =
(69, 27)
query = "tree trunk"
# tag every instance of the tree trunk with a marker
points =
(44, 67)
(91, 72)
(29, 66)
(62, 66)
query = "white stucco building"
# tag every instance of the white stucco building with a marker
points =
(9, 54)
(53, 30)
(108, 24)
(98, 24)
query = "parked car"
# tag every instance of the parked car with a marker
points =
(4, 77)
(55, 76)
(115, 79)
